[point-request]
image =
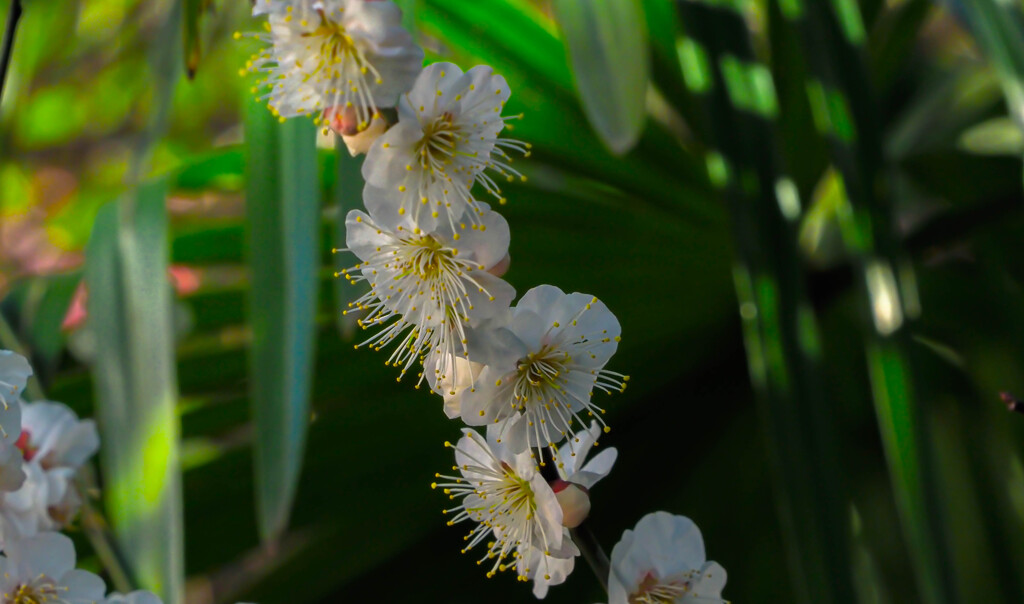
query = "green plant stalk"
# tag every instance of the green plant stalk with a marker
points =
(102, 540)
(585, 539)
(888, 291)
(780, 330)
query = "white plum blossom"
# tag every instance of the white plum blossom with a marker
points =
(541, 367)
(54, 443)
(571, 459)
(54, 436)
(331, 55)
(576, 475)
(450, 377)
(661, 561)
(14, 374)
(447, 137)
(41, 568)
(426, 285)
(43, 503)
(546, 570)
(513, 510)
(12, 476)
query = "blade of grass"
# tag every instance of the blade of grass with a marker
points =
(283, 211)
(833, 38)
(135, 382)
(780, 329)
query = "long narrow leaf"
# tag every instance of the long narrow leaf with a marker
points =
(607, 44)
(780, 329)
(283, 209)
(833, 38)
(136, 387)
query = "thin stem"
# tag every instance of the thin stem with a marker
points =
(102, 540)
(13, 16)
(586, 540)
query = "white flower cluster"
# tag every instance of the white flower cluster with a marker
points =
(432, 255)
(42, 447)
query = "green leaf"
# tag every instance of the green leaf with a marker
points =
(607, 45)
(135, 386)
(48, 315)
(783, 341)
(999, 31)
(837, 60)
(283, 209)
(997, 136)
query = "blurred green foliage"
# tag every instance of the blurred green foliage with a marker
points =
(656, 233)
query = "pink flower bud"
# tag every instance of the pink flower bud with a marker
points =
(574, 501)
(501, 267)
(360, 143)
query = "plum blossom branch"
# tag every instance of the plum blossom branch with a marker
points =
(432, 256)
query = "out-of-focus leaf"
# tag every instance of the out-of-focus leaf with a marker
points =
(135, 384)
(997, 136)
(409, 14)
(833, 39)
(607, 45)
(893, 37)
(283, 209)
(783, 341)
(521, 50)
(999, 31)
(820, 232)
(804, 149)
(48, 315)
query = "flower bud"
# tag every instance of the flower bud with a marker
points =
(360, 143)
(574, 501)
(358, 136)
(501, 267)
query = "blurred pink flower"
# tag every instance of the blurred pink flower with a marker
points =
(184, 279)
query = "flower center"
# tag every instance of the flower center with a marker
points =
(539, 371)
(515, 492)
(336, 41)
(24, 443)
(39, 591)
(651, 591)
(343, 68)
(427, 258)
(439, 143)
